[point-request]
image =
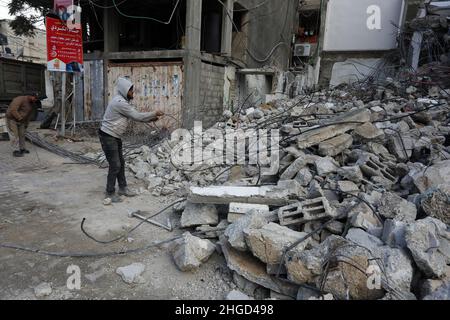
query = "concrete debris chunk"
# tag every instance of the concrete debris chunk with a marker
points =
(269, 242)
(351, 118)
(326, 166)
(352, 173)
(335, 145)
(196, 214)
(190, 252)
(308, 210)
(368, 132)
(235, 231)
(436, 202)
(428, 241)
(251, 268)
(131, 273)
(43, 290)
(432, 176)
(394, 233)
(394, 207)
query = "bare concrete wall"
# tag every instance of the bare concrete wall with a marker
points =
(211, 94)
(270, 25)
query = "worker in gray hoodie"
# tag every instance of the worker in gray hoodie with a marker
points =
(114, 125)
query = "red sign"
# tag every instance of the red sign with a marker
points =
(64, 47)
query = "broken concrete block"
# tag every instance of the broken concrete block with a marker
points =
(308, 210)
(394, 233)
(436, 202)
(213, 232)
(352, 173)
(397, 269)
(335, 145)
(361, 216)
(336, 227)
(303, 267)
(381, 151)
(269, 242)
(364, 239)
(190, 252)
(43, 290)
(394, 207)
(428, 242)
(237, 295)
(269, 195)
(254, 270)
(131, 273)
(326, 166)
(347, 187)
(295, 167)
(443, 293)
(307, 266)
(199, 214)
(237, 210)
(246, 286)
(235, 231)
(432, 176)
(401, 146)
(314, 137)
(429, 286)
(368, 132)
(372, 167)
(304, 177)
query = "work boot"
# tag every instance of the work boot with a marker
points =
(114, 198)
(17, 154)
(126, 193)
(25, 151)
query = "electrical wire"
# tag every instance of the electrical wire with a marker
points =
(147, 18)
(129, 231)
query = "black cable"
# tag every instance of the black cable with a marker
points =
(131, 230)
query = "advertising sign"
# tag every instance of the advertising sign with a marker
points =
(64, 47)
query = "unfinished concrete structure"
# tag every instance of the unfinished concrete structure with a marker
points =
(195, 58)
(186, 63)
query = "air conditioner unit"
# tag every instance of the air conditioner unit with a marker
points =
(302, 50)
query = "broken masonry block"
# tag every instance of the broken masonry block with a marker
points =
(308, 210)
(335, 146)
(374, 168)
(238, 210)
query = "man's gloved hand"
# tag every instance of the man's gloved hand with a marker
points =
(159, 113)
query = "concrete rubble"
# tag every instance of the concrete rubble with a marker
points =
(131, 273)
(43, 290)
(190, 252)
(358, 209)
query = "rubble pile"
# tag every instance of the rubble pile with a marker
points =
(359, 208)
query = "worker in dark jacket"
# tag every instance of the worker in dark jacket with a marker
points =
(18, 117)
(114, 124)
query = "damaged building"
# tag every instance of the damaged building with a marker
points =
(195, 59)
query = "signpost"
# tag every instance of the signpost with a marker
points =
(64, 48)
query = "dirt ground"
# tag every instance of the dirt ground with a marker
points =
(43, 199)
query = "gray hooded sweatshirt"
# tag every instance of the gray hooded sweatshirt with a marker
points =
(119, 111)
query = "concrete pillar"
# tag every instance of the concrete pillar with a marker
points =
(111, 42)
(227, 27)
(110, 30)
(192, 63)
